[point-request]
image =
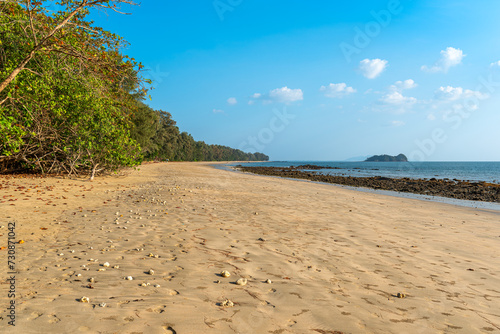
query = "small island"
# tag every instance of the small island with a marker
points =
(387, 158)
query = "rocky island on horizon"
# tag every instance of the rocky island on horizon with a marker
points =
(387, 158)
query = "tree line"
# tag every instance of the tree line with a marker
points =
(71, 102)
(160, 139)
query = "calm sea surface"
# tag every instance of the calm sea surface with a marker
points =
(469, 171)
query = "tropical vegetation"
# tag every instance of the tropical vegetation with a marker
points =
(72, 102)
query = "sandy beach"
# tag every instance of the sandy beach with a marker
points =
(334, 259)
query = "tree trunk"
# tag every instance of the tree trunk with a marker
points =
(93, 172)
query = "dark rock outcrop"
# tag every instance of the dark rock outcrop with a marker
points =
(475, 191)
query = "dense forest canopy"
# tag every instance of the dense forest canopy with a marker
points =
(71, 102)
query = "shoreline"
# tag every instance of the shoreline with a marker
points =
(336, 258)
(481, 205)
(459, 190)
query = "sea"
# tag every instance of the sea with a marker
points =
(464, 171)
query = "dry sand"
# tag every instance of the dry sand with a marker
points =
(336, 257)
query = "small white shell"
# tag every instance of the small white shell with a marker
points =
(227, 303)
(157, 285)
(225, 273)
(150, 254)
(129, 278)
(84, 300)
(78, 275)
(105, 264)
(91, 280)
(101, 269)
(151, 272)
(144, 284)
(268, 281)
(116, 267)
(102, 304)
(242, 281)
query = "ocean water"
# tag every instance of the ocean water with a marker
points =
(465, 171)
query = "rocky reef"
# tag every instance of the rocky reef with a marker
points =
(475, 191)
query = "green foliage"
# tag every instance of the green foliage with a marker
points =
(161, 139)
(65, 113)
(76, 106)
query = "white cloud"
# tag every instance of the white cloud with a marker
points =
(286, 95)
(449, 58)
(232, 101)
(495, 64)
(398, 99)
(282, 95)
(398, 123)
(337, 90)
(400, 86)
(218, 111)
(431, 117)
(449, 93)
(372, 68)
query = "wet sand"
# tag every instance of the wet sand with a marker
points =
(336, 258)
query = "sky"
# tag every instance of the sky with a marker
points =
(324, 80)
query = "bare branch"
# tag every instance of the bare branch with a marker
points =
(37, 47)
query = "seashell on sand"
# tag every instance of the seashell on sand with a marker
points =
(268, 281)
(151, 272)
(242, 281)
(129, 278)
(227, 303)
(105, 264)
(225, 273)
(84, 300)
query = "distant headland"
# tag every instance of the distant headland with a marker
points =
(387, 158)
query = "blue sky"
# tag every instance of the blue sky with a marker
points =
(325, 80)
